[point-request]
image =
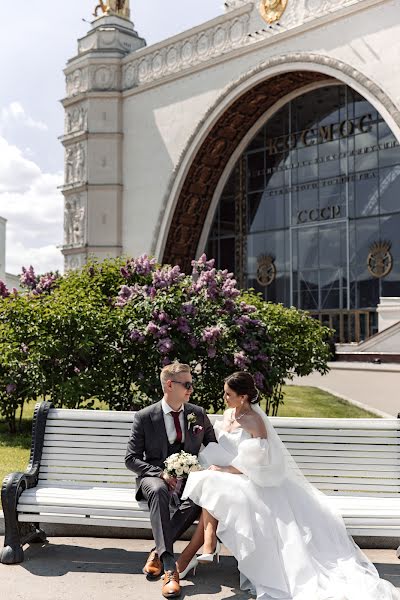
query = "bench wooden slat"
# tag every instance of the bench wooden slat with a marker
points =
(336, 447)
(306, 423)
(340, 442)
(106, 424)
(142, 523)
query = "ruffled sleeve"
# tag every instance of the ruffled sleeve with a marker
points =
(256, 460)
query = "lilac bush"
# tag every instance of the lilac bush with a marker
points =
(104, 331)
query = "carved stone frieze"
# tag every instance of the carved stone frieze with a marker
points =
(75, 164)
(74, 261)
(187, 52)
(75, 221)
(76, 119)
(77, 81)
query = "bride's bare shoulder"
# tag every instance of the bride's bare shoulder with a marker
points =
(255, 425)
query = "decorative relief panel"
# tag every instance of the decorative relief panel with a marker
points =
(75, 164)
(187, 52)
(74, 221)
(74, 261)
(76, 119)
(77, 82)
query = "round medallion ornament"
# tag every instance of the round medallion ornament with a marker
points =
(272, 10)
(380, 259)
(266, 270)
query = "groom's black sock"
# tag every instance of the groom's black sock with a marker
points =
(168, 561)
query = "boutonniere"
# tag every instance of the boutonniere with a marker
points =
(191, 419)
(197, 429)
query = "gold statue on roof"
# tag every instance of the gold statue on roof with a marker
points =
(113, 7)
(272, 10)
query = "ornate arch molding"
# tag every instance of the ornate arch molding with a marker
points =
(194, 181)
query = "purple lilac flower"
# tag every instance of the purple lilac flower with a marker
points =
(247, 308)
(125, 294)
(183, 325)
(259, 380)
(166, 361)
(262, 357)
(165, 345)
(193, 341)
(250, 346)
(46, 282)
(124, 272)
(28, 278)
(202, 263)
(211, 351)
(166, 276)
(77, 370)
(152, 328)
(141, 266)
(211, 334)
(240, 360)
(136, 336)
(10, 388)
(189, 309)
(4, 293)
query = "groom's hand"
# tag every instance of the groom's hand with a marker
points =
(170, 481)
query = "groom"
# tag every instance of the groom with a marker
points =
(158, 431)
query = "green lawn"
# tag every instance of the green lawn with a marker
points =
(299, 402)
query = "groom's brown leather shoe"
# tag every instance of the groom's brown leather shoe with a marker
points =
(171, 587)
(153, 567)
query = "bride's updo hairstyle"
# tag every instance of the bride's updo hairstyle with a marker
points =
(243, 384)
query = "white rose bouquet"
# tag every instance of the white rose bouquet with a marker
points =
(179, 465)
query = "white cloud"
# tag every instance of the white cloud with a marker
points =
(15, 113)
(33, 206)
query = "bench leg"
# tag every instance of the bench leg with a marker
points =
(12, 552)
(39, 537)
(398, 552)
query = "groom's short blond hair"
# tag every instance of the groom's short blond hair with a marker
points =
(170, 371)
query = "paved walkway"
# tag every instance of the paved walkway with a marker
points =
(368, 385)
(110, 569)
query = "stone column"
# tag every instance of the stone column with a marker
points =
(92, 139)
(3, 224)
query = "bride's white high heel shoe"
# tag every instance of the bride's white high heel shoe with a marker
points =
(208, 558)
(192, 565)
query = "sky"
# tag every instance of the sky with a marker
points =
(37, 40)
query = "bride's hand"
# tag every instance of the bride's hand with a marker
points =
(215, 468)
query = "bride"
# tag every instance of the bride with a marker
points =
(289, 542)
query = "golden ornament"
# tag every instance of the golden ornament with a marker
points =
(272, 10)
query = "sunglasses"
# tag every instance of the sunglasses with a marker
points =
(188, 385)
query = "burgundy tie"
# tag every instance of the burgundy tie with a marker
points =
(177, 427)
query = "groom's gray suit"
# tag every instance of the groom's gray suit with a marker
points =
(148, 447)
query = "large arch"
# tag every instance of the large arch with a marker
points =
(220, 133)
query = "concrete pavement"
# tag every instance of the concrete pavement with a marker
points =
(370, 386)
(110, 569)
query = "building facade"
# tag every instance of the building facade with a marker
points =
(10, 280)
(267, 137)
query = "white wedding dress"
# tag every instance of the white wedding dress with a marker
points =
(288, 541)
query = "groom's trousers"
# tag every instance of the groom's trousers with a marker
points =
(167, 529)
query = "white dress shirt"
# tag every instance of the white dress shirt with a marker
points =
(169, 422)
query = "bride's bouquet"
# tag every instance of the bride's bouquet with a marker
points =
(182, 463)
(179, 466)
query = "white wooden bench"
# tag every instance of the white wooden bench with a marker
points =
(77, 473)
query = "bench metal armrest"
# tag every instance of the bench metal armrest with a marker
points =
(15, 483)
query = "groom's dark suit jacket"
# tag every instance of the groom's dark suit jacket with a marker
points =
(148, 445)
